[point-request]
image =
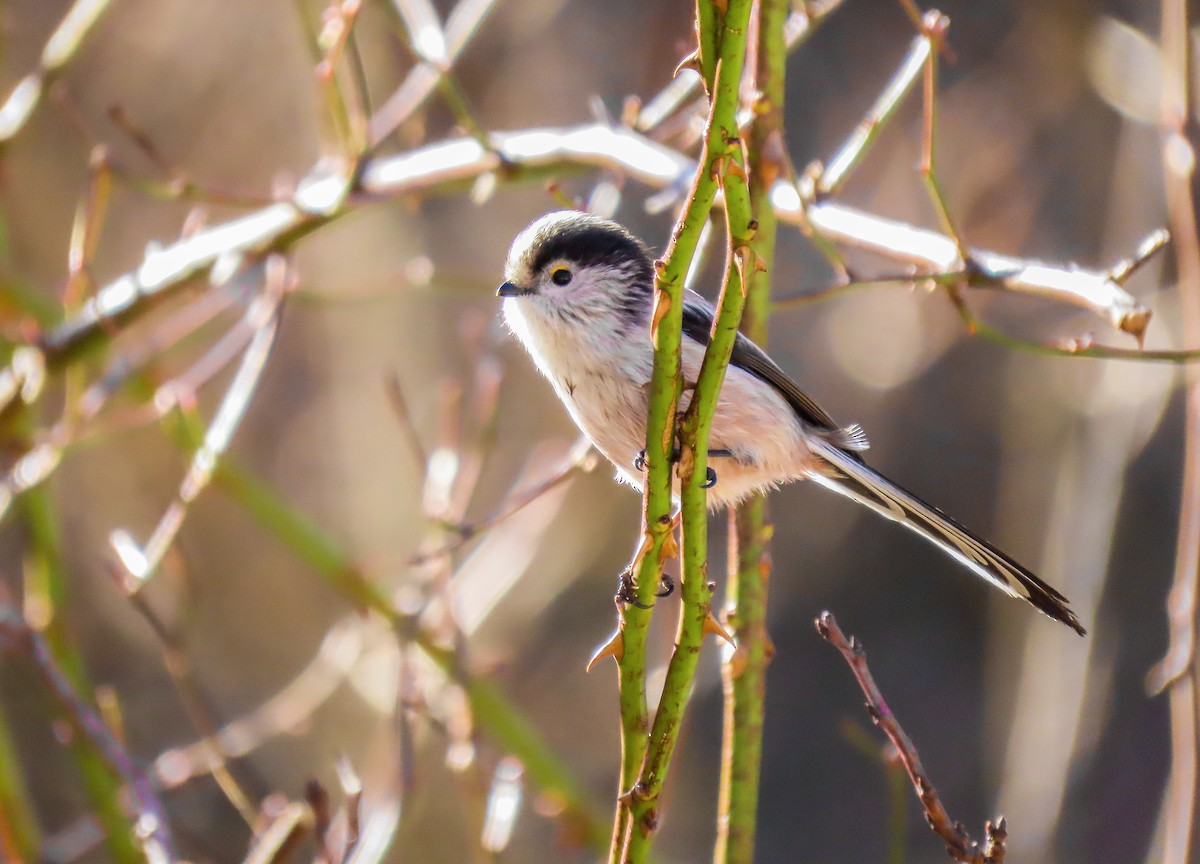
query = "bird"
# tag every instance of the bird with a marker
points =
(578, 295)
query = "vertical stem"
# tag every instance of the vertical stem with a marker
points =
(708, 36)
(1179, 158)
(743, 672)
(722, 163)
(48, 590)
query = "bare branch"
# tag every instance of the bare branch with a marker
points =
(154, 833)
(262, 320)
(958, 843)
(423, 80)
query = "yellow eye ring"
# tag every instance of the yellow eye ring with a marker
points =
(560, 275)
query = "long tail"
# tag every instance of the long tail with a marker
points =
(848, 476)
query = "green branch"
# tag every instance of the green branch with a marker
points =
(721, 163)
(743, 673)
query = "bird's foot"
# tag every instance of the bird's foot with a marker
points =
(710, 476)
(627, 592)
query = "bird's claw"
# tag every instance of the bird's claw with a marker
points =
(627, 592)
(710, 478)
(666, 586)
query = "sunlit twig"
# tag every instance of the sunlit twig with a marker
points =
(262, 316)
(59, 49)
(421, 81)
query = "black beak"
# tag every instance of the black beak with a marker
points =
(508, 289)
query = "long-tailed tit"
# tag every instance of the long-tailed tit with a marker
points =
(578, 294)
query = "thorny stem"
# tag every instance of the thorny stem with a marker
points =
(722, 162)
(743, 671)
(633, 821)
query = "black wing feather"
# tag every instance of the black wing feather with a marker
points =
(698, 317)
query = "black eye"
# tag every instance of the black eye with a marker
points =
(560, 276)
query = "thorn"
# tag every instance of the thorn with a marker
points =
(713, 627)
(614, 648)
(738, 661)
(691, 61)
(662, 305)
(669, 550)
(822, 624)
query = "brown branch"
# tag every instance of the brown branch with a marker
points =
(1177, 671)
(959, 844)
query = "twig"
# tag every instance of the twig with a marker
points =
(959, 844)
(284, 710)
(510, 729)
(461, 25)
(580, 458)
(933, 28)
(195, 704)
(395, 393)
(424, 37)
(59, 50)
(46, 591)
(153, 830)
(284, 832)
(262, 318)
(345, 112)
(835, 172)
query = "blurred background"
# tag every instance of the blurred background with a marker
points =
(1048, 149)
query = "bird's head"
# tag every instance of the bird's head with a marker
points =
(581, 270)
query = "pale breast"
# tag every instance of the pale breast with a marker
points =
(603, 377)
